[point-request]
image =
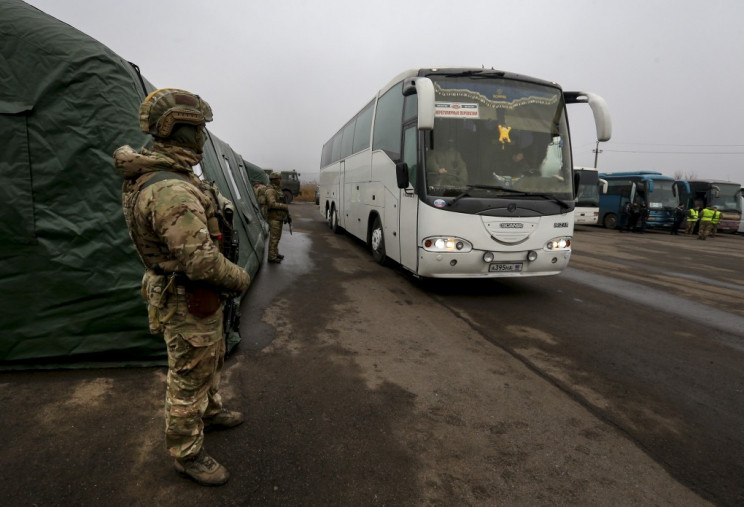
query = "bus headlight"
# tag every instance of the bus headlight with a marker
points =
(562, 243)
(447, 244)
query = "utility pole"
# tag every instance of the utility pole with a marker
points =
(597, 151)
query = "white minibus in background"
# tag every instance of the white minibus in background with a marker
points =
(459, 173)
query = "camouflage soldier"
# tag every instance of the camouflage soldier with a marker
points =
(175, 221)
(278, 213)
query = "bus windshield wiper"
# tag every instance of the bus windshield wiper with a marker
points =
(467, 190)
(551, 197)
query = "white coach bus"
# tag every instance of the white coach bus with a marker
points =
(459, 173)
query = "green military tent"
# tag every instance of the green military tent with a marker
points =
(69, 275)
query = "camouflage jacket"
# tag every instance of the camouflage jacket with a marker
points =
(278, 210)
(173, 221)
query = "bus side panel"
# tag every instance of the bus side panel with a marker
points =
(356, 180)
(385, 201)
(330, 187)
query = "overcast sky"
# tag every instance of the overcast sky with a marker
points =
(283, 76)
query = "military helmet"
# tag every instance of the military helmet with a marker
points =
(275, 176)
(166, 107)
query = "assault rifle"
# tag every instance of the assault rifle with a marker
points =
(289, 222)
(231, 250)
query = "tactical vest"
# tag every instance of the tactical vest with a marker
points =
(275, 213)
(707, 215)
(152, 251)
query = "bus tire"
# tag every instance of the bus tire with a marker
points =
(610, 221)
(333, 220)
(377, 242)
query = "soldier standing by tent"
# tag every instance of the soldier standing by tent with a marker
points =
(176, 222)
(278, 213)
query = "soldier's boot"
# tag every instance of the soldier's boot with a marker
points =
(223, 420)
(275, 260)
(203, 469)
(280, 257)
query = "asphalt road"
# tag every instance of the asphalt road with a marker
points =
(616, 383)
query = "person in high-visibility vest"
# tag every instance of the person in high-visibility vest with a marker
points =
(692, 219)
(716, 220)
(706, 222)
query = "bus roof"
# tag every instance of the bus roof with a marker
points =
(713, 182)
(427, 71)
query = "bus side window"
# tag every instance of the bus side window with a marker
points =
(409, 153)
(388, 127)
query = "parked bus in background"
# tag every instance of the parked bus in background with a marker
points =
(723, 194)
(458, 173)
(587, 184)
(654, 189)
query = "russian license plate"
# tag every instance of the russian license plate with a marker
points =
(505, 266)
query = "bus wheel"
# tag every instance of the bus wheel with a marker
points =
(333, 220)
(610, 221)
(377, 242)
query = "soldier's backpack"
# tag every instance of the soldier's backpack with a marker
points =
(261, 199)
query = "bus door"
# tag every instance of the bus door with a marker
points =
(409, 202)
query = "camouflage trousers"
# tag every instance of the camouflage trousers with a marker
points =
(275, 234)
(690, 226)
(196, 353)
(706, 227)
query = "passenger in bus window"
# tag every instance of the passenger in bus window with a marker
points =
(446, 166)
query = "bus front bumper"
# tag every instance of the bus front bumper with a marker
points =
(503, 265)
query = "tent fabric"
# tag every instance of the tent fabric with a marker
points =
(68, 270)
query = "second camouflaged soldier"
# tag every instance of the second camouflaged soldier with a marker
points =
(278, 213)
(176, 222)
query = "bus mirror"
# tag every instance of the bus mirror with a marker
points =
(425, 95)
(603, 185)
(401, 174)
(716, 191)
(600, 110)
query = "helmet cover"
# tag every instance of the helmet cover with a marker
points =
(166, 107)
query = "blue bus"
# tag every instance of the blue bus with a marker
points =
(654, 189)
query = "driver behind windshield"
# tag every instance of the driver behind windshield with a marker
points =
(445, 166)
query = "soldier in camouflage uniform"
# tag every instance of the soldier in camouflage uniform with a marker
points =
(176, 221)
(278, 213)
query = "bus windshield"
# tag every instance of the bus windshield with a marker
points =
(663, 195)
(588, 193)
(493, 135)
(726, 198)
